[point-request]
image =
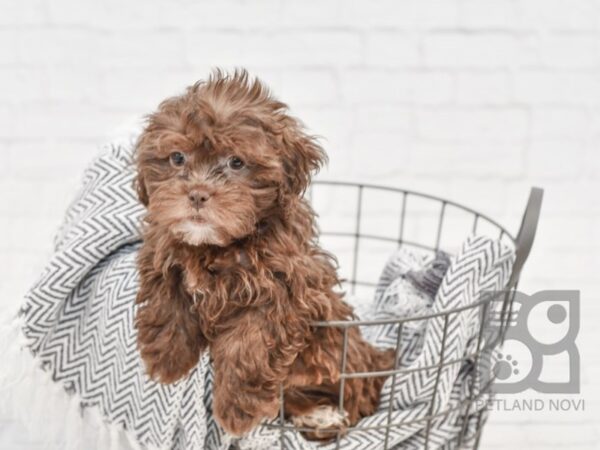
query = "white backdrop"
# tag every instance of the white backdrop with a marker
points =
(474, 100)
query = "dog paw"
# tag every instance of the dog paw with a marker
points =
(324, 422)
(238, 412)
(236, 422)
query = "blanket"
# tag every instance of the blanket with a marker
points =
(76, 327)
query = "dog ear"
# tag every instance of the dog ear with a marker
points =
(302, 157)
(169, 336)
(140, 188)
(139, 183)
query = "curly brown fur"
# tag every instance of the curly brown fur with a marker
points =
(230, 261)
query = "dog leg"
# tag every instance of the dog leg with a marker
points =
(249, 370)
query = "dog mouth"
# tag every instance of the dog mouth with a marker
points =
(196, 230)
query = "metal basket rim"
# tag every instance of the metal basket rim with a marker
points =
(417, 194)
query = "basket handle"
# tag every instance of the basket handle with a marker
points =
(526, 234)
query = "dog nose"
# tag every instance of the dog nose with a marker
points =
(198, 198)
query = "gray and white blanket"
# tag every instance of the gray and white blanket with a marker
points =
(77, 326)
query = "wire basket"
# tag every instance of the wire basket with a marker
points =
(437, 231)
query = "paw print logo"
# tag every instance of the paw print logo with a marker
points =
(541, 332)
(505, 367)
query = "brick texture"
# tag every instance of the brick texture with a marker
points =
(476, 100)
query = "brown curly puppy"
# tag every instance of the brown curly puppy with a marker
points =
(230, 261)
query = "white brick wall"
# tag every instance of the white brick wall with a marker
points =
(475, 100)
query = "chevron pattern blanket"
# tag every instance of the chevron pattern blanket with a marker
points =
(77, 322)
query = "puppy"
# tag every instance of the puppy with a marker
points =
(230, 262)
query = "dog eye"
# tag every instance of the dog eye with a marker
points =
(177, 159)
(235, 163)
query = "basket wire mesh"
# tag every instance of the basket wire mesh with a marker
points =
(522, 243)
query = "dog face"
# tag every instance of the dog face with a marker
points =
(219, 159)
